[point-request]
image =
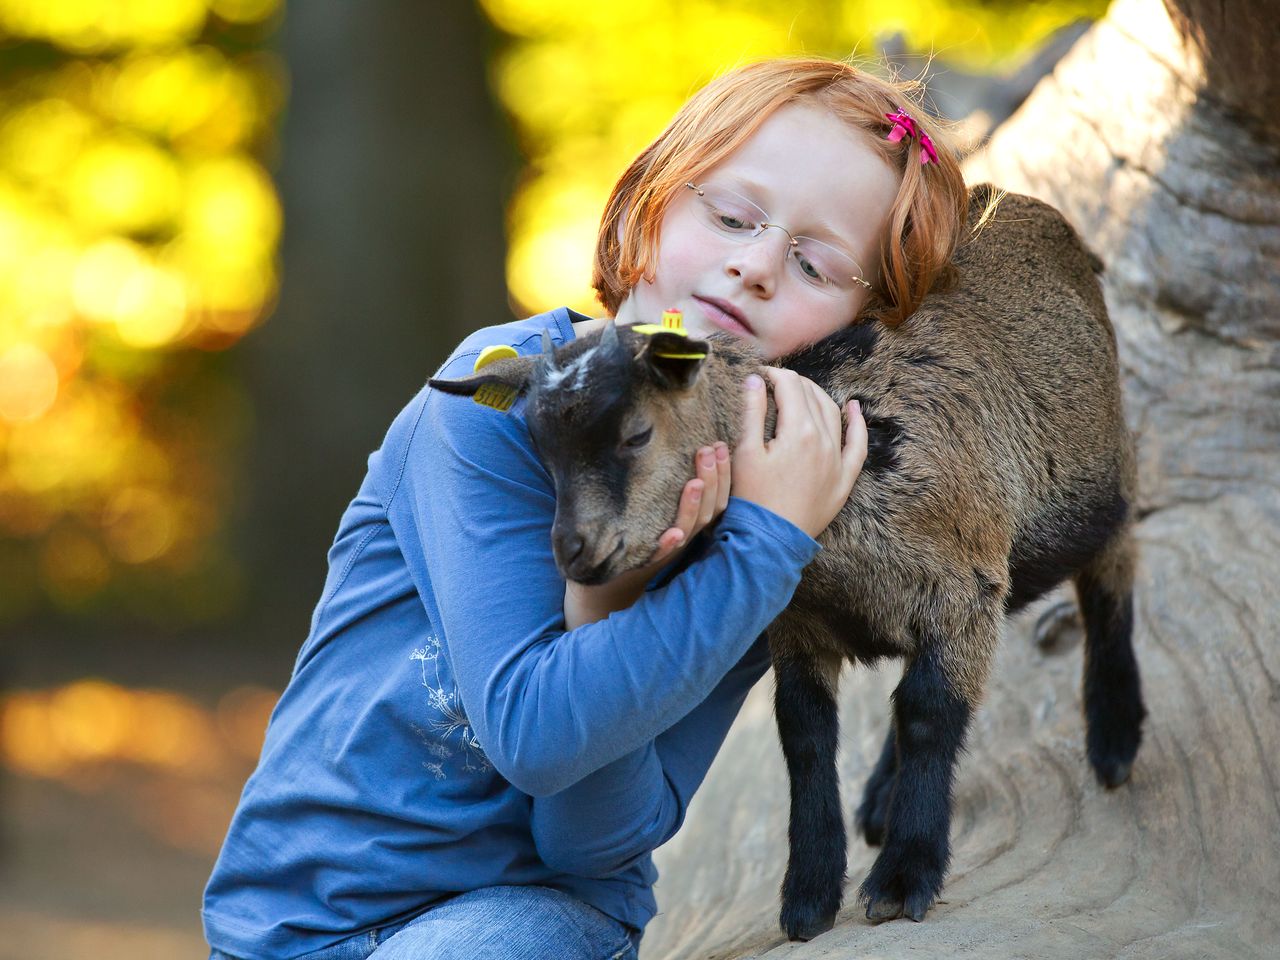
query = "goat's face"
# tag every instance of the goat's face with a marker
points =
(616, 420)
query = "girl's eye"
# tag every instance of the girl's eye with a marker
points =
(730, 217)
(809, 270)
(638, 440)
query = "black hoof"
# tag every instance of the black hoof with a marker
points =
(914, 907)
(1113, 739)
(901, 885)
(1059, 628)
(917, 906)
(1111, 772)
(805, 923)
(810, 902)
(885, 908)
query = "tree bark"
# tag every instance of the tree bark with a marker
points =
(1157, 137)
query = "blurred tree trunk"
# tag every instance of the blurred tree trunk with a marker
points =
(396, 166)
(1158, 137)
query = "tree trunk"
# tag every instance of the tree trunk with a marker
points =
(1157, 137)
(395, 170)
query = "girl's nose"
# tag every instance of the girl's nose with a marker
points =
(758, 262)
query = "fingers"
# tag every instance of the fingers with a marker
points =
(788, 397)
(805, 473)
(855, 443)
(723, 476)
(706, 468)
(805, 411)
(754, 404)
(702, 500)
(713, 470)
(690, 506)
(827, 412)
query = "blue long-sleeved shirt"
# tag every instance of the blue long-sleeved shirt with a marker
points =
(442, 731)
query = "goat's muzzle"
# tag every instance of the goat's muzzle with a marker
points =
(583, 558)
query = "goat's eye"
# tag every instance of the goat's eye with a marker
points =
(637, 440)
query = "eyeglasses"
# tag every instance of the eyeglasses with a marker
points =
(817, 264)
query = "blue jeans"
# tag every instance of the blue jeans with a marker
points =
(493, 923)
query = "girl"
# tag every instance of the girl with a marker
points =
(471, 760)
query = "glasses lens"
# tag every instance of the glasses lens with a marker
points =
(728, 213)
(823, 266)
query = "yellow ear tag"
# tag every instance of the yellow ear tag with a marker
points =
(496, 395)
(672, 322)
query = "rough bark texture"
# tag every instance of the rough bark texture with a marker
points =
(1157, 137)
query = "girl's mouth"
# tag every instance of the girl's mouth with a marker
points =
(724, 316)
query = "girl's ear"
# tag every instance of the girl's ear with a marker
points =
(674, 361)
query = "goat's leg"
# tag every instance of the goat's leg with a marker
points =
(809, 728)
(1112, 688)
(873, 812)
(932, 704)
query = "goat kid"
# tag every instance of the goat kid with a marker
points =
(999, 465)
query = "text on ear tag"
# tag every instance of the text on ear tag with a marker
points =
(499, 396)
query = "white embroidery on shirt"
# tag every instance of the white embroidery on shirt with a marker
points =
(452, 720)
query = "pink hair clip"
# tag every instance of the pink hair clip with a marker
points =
(905, 126)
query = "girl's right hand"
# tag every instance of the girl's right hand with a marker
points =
(702, 500)
(803, 474)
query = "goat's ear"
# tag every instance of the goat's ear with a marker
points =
(496, 384)
(674, 360)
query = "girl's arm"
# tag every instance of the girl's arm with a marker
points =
(611, 818)
(551, 706)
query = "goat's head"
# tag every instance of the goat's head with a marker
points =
(616, 418)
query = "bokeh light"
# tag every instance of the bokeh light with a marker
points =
(61, 732)
(28, 382)
(139, 232)
(91, 26)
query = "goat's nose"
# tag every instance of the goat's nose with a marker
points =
(571, 546)
(582, 562)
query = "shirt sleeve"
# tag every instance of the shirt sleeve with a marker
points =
(551, 706)
(610, 819)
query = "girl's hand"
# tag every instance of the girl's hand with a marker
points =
(802, 474)
(702, 500)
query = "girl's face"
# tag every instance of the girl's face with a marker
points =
(814, 176)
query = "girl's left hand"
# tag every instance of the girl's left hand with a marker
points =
(702, 500)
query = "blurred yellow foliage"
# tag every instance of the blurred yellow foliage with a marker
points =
(589, 84)
(137, 222)
(91, 26)
(59, 733)
(28, 382)
(123, 184)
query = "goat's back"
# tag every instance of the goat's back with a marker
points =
(999, 460)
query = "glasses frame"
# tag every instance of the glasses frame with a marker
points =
(793, 242)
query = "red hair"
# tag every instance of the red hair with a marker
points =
(925, 221)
